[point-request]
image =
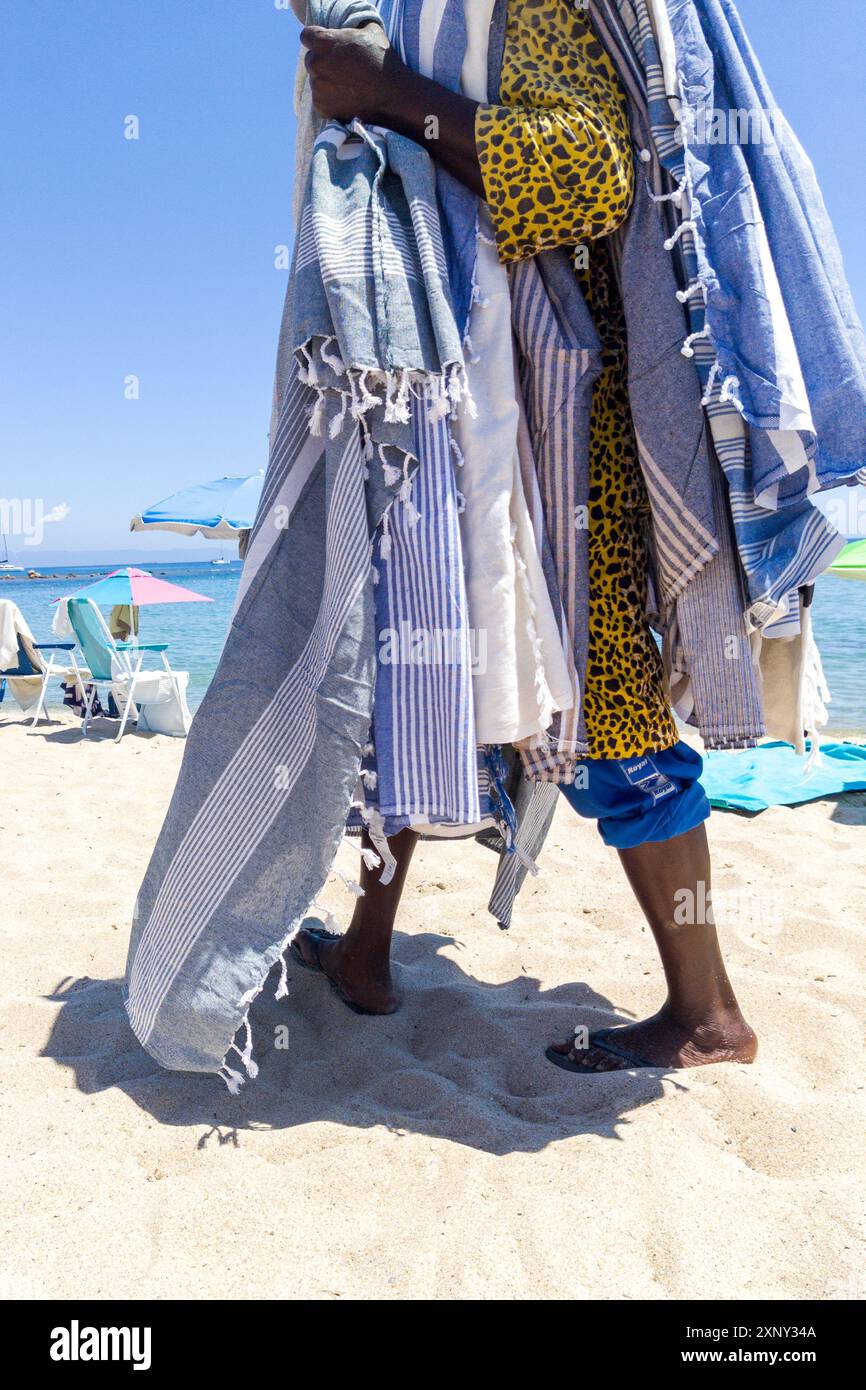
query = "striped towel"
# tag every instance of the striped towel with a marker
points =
(369, 367)
(423, 715)
(761, 382)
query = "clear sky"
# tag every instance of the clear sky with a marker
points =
(154, 257)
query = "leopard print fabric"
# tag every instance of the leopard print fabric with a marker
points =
(555, 156)
(625, 703)
(557, 165)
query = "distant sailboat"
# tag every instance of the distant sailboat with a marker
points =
(5, 562)
(220, 560)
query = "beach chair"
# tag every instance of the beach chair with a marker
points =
(27, 666)
(157, 699)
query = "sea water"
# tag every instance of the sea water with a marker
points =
(195, 631)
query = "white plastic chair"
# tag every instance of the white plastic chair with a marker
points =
(122, 665)
(29, 661)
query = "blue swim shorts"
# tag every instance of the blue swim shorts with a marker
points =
(637, 800)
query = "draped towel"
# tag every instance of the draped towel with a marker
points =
(275, 749)
(742, 219)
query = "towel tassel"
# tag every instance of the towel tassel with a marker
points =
(685, 295)
(337, 423)
(328, 918)
(350, 884)
(375, 824)
(439, 406)
(234, 1080)
(385, 541)
(336, 364)
(391, 473)
(317, 414)
(413, 516)
(469, 349)
(309, 376)
(715, 372)
(689, 225)
(246, 1055)
(367, 442)
(687, 350)
(397, 398)
(368, 397)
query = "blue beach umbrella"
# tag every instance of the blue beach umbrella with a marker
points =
(217, 510)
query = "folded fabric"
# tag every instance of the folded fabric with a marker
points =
(423, 716)
(690, 59)
(713, 673)
(779, 309)
(12, 623)
(794, 690)
(431, 35)
(776, 775)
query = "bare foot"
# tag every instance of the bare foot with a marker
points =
(662, 1041)
(366, 987)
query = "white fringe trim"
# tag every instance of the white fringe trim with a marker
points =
(697, 286)
(687, 350)
(375, 824)
(715, 373)
(730, 385)
(369, 387)
(688, 225)
(677, 196)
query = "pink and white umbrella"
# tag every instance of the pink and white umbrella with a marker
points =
(136, 587)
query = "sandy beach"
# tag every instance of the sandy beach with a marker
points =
(436, 1153)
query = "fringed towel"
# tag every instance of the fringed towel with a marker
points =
(274, 753)
(773, 332)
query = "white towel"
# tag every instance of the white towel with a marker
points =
(523, 678)
(13, 625)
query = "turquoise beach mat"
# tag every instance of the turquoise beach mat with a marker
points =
(774, 775)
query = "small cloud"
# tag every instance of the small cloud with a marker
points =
(58, 513)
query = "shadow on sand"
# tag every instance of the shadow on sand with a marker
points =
(462, 1060)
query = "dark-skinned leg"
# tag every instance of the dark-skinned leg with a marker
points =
(700, 1021)
(360, 960)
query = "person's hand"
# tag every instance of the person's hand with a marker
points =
(346, 68)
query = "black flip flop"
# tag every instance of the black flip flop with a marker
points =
(317, 935)
(601, 1041)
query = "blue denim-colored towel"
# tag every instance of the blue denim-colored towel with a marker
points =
(779, 308)
(437, 49)
(782, 540)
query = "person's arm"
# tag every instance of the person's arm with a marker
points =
(555, 169)
(355, 73)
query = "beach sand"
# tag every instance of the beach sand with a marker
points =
(433, 1154)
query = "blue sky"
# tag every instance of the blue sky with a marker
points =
(154, 257)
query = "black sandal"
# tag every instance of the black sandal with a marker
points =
(316, 935)
(569, 1062)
